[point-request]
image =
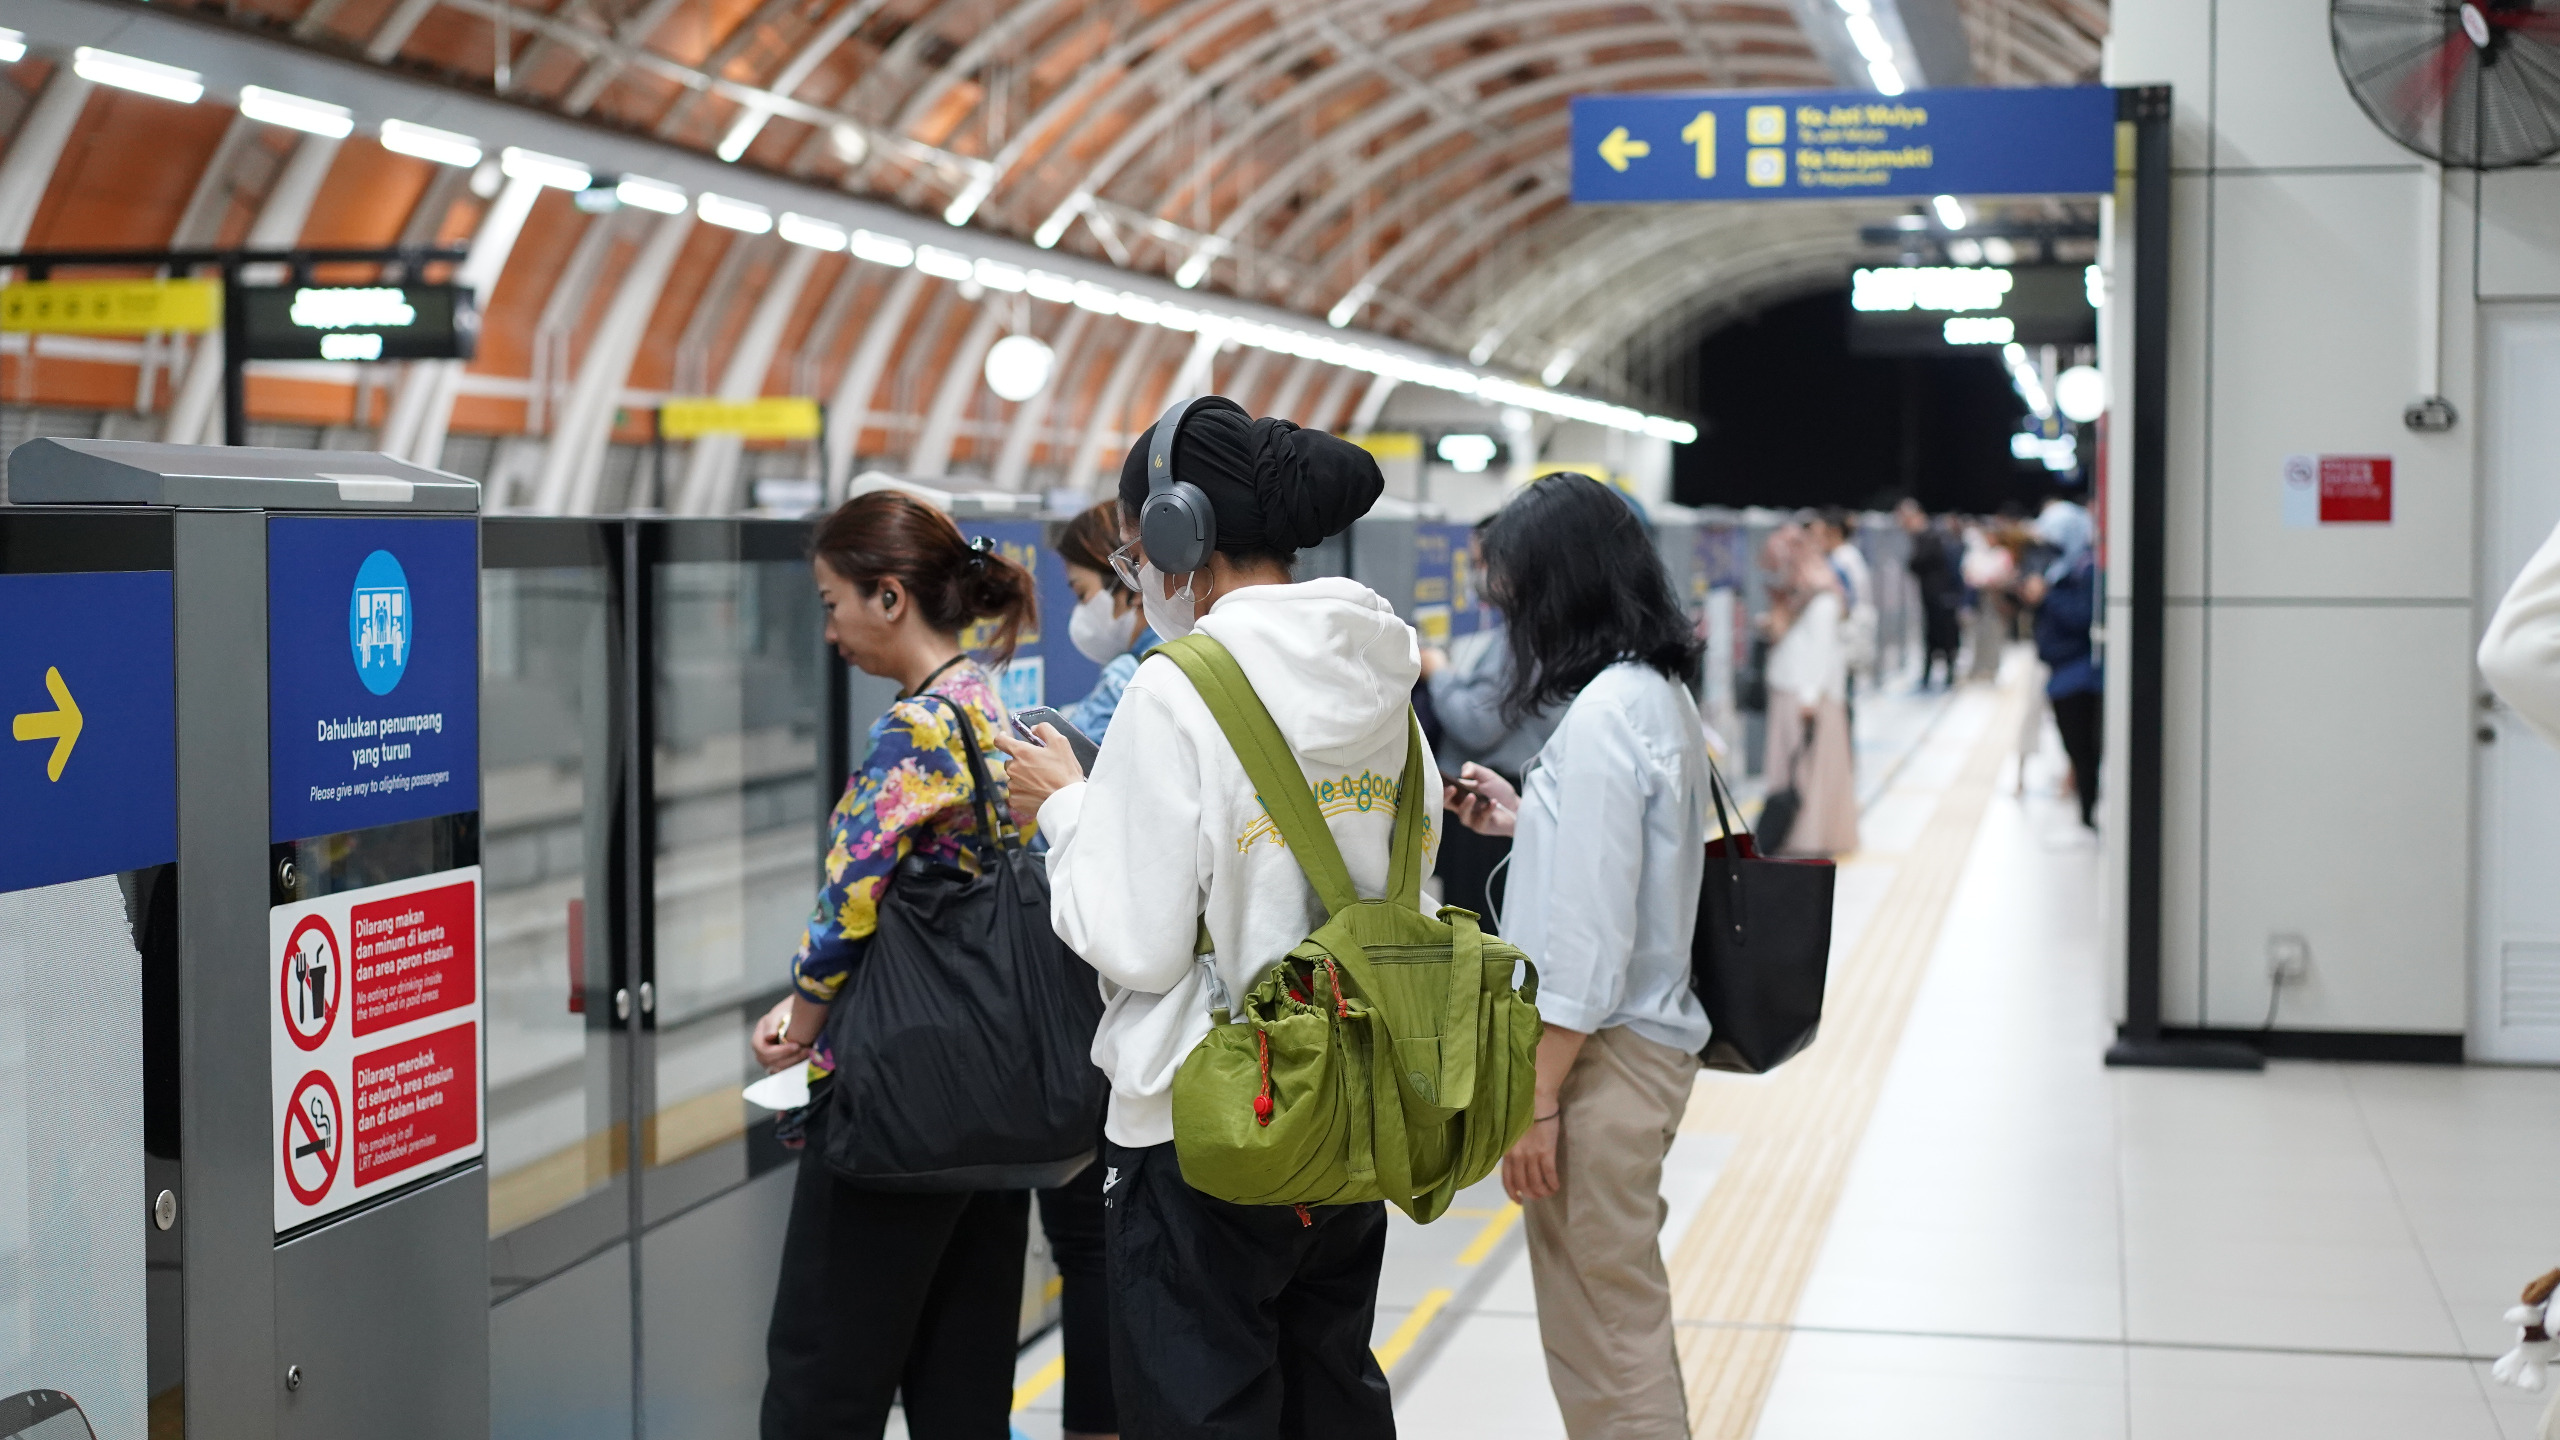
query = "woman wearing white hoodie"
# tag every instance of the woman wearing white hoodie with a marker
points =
(1229, 1320)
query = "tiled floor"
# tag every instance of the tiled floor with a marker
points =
(2033, 1246)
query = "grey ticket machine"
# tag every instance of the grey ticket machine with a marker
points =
(240, 943)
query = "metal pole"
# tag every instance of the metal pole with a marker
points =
(235, 358)
(2141, 1041)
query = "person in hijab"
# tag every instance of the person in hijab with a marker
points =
(1229, 1322)
(1808, 747)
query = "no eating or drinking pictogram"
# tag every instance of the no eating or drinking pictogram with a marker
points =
(314, 1136)
(311, 976)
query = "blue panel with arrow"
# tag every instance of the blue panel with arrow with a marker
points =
(88, 774)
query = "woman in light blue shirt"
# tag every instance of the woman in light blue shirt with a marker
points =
(1107, 627)
(1610, 830)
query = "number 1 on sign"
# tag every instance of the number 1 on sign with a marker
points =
(1701, 132)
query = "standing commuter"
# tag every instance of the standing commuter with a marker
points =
(1229, 1322)
(1611, 833)
(1108, 629)
(902, 1294)
(1835, 531)
(1932, 564)
(1808, 732)
(2065, 598)
(1468, 683)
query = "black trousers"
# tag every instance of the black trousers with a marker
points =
(2078, 717)
(1072, 1217)
(1942, 633)
(1240, 1322)
(886, 1295)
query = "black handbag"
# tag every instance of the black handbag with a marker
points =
(1762, 948)
(964, 1041)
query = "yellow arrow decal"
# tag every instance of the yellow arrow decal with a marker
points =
(1617, 149)
(61, 725)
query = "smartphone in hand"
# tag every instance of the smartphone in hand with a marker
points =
(1027, 722)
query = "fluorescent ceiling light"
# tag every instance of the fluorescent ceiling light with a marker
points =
(1869, 38)
(143, 77)
(1856, 7)
(1056, 289)
(1054, 229)
(1139, 308)
(642, 193)
(1560, 366)
(731, 214)
(742, 133)
(944, 264)
(548, 170)
(1100, 299)
(966, 203)
(816, 234)
(1349, 305)
(882, 249)
(1194, 270)
(1888, 81)
(1950, 212)
(1485, 345)
(13, 46)
(425, 142)
(296, 112)
(996, 275)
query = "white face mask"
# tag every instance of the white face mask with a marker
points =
(1172, 615)
(1098, 635)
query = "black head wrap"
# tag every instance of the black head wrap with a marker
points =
(1275, 487)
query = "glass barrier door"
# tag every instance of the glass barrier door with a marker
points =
(555, 673)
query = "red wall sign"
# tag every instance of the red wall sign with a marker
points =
(2355, 489)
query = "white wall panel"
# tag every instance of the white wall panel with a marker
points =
(2182, 810)
(2278, 97)
(2315, 307)
(2338, 785)
(2169, 42)
(2190, 315)
(2520, 234)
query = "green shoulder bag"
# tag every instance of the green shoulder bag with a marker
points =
(1389, 1056)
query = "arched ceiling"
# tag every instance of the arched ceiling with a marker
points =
(1397, 166)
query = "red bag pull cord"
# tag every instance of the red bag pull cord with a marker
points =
(1262, 1102)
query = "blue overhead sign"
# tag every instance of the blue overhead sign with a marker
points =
(88, 779)
(1834, 144)
(373, 672)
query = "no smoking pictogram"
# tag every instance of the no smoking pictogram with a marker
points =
(314, 1136)
(310, 978)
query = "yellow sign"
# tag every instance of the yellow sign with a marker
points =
(774, 417)
(1389, 444)
(61, 724)
(1701, 133)
(110, 307)
(1617, 149)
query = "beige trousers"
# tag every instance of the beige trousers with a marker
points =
(1595, 1251)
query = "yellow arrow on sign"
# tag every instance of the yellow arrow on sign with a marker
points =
(1617, 149)
(61, 725)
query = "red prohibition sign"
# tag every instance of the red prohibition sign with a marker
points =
(309, 1136)
(310, 976)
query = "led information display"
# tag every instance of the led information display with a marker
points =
(1938, 309)
(1826, 144)
(360, 322)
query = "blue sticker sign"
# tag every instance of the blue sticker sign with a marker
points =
(373, 672)
(1836, 145)
(1041, 671)
(88, 779)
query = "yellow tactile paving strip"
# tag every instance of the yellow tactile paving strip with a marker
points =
(1744, 1262)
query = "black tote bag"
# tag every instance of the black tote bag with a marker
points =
(964, 1041)
(1762, 948)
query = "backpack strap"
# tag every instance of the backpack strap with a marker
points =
(1269, 763)
(1404, 872)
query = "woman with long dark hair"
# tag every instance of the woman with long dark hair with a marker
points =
(1610, 830)
(896, 1294)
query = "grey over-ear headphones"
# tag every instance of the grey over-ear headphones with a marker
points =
(1179, 525)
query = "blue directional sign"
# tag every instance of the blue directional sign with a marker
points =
(373, 672)
(1840, 145)
(88, 778)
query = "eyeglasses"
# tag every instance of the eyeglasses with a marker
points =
(1125, 562)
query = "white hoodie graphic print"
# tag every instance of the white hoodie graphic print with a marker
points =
(1167, 831)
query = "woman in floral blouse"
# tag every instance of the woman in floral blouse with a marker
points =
(895, 1294)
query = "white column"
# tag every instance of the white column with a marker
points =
(34, 152)
(1013, 463)
(415, 429)
(573, 467)
(851, 404)
(1107, 407)
(932, 455)
(711, 473)
(193, 418)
